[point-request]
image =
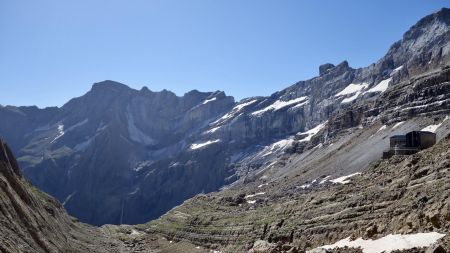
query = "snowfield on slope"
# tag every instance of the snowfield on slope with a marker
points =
(60, 133)
(344, 179)
(209, 100)
(389, 243)
(380, 87)
(433, 128)
(233, 112)
(352, 88)
(279, 104)
(203, 144)
(310, 133)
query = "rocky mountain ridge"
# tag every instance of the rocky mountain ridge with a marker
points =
(118, 155)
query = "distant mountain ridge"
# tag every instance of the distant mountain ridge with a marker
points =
(119, 155)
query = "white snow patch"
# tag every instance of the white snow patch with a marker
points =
(251, 201)
(279, 104)
(254, 195)
(398, 124)
(433, 128)
(60, 133)
(239, 107)
(281, 144)
(381, 86)
(300, 105)
(262, 185)
(312, 132)
(212, 130)
(209, 100)
(344, 179)
(382, 128)
(234, 111)
(389, 243)
(135, 233)
(324, 180)
(352, 88)
(276, 146)
(203, 144)
(305, 186)
(396, 70)
(350, 99)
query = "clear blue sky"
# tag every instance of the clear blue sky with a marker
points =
(52, 50)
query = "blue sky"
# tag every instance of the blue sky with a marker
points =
(52, 50)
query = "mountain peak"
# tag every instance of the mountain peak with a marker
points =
(109, 85)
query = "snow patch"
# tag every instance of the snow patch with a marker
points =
(312, 132)
(212, 130)
(381, 86)
(276, 146)
(254, 195)
(239, 107)
(389, 243)
(279, 104)
(350, 99)
(305, 186)
(396, 70)
(433, 128)
(209, 100)
(324, 180)
(251, 201)
(381, 128)
(352, 88)
(344, 179)
(135, 233)
(60, 133)
(203, 144)
(234, 111)
(398, 124)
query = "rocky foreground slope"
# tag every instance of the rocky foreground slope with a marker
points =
(402, 195)
(32, 221)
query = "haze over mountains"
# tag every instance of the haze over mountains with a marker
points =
(122, 156)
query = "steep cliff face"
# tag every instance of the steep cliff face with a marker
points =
(119, 155)
(89, 152)
(31, 221)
